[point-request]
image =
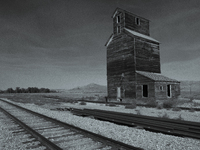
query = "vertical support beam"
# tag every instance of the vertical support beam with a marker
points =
(135, 69)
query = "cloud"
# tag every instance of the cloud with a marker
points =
(183, 70)
(58, 43)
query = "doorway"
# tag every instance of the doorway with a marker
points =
(169, 90)
(145, 90)
(118, 92)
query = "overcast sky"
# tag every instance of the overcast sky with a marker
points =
(60, 44)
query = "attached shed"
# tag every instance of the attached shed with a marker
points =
(154, 85)
(133, 61)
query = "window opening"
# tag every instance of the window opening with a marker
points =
(137, 21)
(161, 88)
(118, 29)
(145, 90)
(118, 19)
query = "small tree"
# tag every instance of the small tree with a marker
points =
(10, 90)
(18, 90)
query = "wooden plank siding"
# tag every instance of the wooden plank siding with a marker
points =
(121, 23)
(161, 94)
(132, 50)
(121, 66)
(131, 24)
(147, 56)
(141, 80)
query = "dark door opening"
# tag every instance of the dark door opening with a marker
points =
(169, 90)
(145, 90)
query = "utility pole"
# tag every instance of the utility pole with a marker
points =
(191, 91)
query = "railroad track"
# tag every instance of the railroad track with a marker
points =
(166, 126)
(142, 105)
(26, 140)
(47, 133)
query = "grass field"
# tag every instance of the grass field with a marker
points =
(46, 98)
(189, 90)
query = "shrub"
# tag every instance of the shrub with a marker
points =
(165, 116)
(168, 104)
(83, 103)
(191, 110)
(130, 106)
(159, 106)
(101, 98)
(195, 104)
(73, 101)
(138, 112)
(180, 117)
(151, 103)
(191, 98)
(133, 105)
(176, 109)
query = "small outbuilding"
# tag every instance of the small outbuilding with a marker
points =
(133, 61)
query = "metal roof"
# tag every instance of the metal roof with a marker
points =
(156, 76)
(141, 35)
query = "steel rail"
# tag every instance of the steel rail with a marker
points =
(142, 105)
(36, 135)
(100, 138)
(167, 126)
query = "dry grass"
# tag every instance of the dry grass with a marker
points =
(46, 98)
(130, 106)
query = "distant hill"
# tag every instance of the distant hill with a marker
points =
(90, 88)
(96, 88)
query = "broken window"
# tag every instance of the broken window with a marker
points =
(137, 21)
(118, 29)
(118, 19)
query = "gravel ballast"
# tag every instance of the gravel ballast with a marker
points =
(14, 141)
(132, 136)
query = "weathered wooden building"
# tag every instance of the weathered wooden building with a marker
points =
(133, 61)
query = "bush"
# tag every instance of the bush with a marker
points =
(180, 117)
(165, 116)
(159, 106)
(133, 105)
(191, 99)
(168, 104)
(83, 103)
(151, 103)
(130, 106)
(191, 110)
(138, 112)
(176, 109)
(195, 104)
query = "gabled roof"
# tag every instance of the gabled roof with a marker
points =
(109, 40)
(134, 34)
(156, 76)
(141, 35)
(125, 11)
